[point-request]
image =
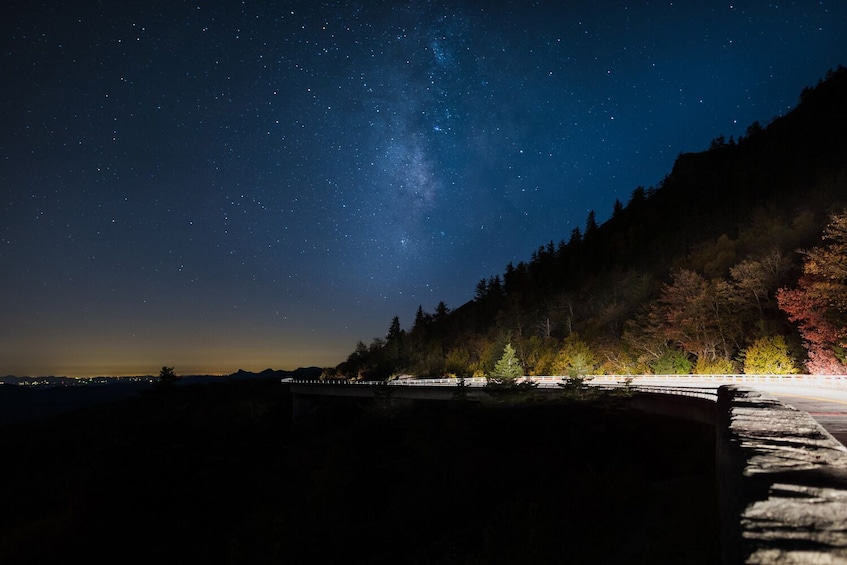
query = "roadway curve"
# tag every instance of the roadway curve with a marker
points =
(827, 405)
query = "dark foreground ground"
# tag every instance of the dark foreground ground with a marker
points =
(217, 474)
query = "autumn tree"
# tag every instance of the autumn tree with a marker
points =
(643, 339)
(826, 267)
(818, 305)
(756, 279)
(539, 353)
(696, 315)
(575, 358)
(458, 362)
(768, 356)
(615, 357)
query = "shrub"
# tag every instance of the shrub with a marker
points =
(672, 362)
(715, 367)
(768, 356)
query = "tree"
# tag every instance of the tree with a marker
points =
(441, 311)
(394, 343)
(755, 279)
(481, 290)
(820, 336)
(672, 362)
(357, 363)
(617, 208)
(508, 368)
(717, 143)
(458, 362)
(167, 377)
(695, 315)
(768, 356)
(819, 303)
(576, 236)
(826, 265)
(638, 197)
(575, 359)
(536, 349)
(422, 319)
(590, 224)
(753, 130)
(394, 331)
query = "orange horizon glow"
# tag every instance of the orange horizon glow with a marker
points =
(214, 365)
(89, 354)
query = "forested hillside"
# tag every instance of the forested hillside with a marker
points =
(735, 262)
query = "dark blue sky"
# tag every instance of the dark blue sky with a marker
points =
(223, 185)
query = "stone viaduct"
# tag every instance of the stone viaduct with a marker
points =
(782, 478)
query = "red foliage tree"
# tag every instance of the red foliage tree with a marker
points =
(819, 335)
(819, 303)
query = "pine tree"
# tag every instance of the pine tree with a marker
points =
(508, 368)
(590, 224)
(167, 378)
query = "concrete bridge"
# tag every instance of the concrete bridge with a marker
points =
(782, 476)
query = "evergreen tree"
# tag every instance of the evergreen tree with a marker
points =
(441, 311)
(481, 290)
(617, 208)
(576, 236)
(638, 197)
(394, 344)
(590, 224)
(167, 377)
(508, 368)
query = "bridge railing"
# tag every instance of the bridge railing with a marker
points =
(550, 381)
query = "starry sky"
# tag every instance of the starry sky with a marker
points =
(224, 184)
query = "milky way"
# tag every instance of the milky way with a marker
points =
(223, 185)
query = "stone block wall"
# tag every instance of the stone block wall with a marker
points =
(782, 481)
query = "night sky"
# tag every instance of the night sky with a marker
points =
(224, 185)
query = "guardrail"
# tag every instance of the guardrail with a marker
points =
(709, 393)
(549, 381)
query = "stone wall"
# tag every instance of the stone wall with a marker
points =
(782, 482)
